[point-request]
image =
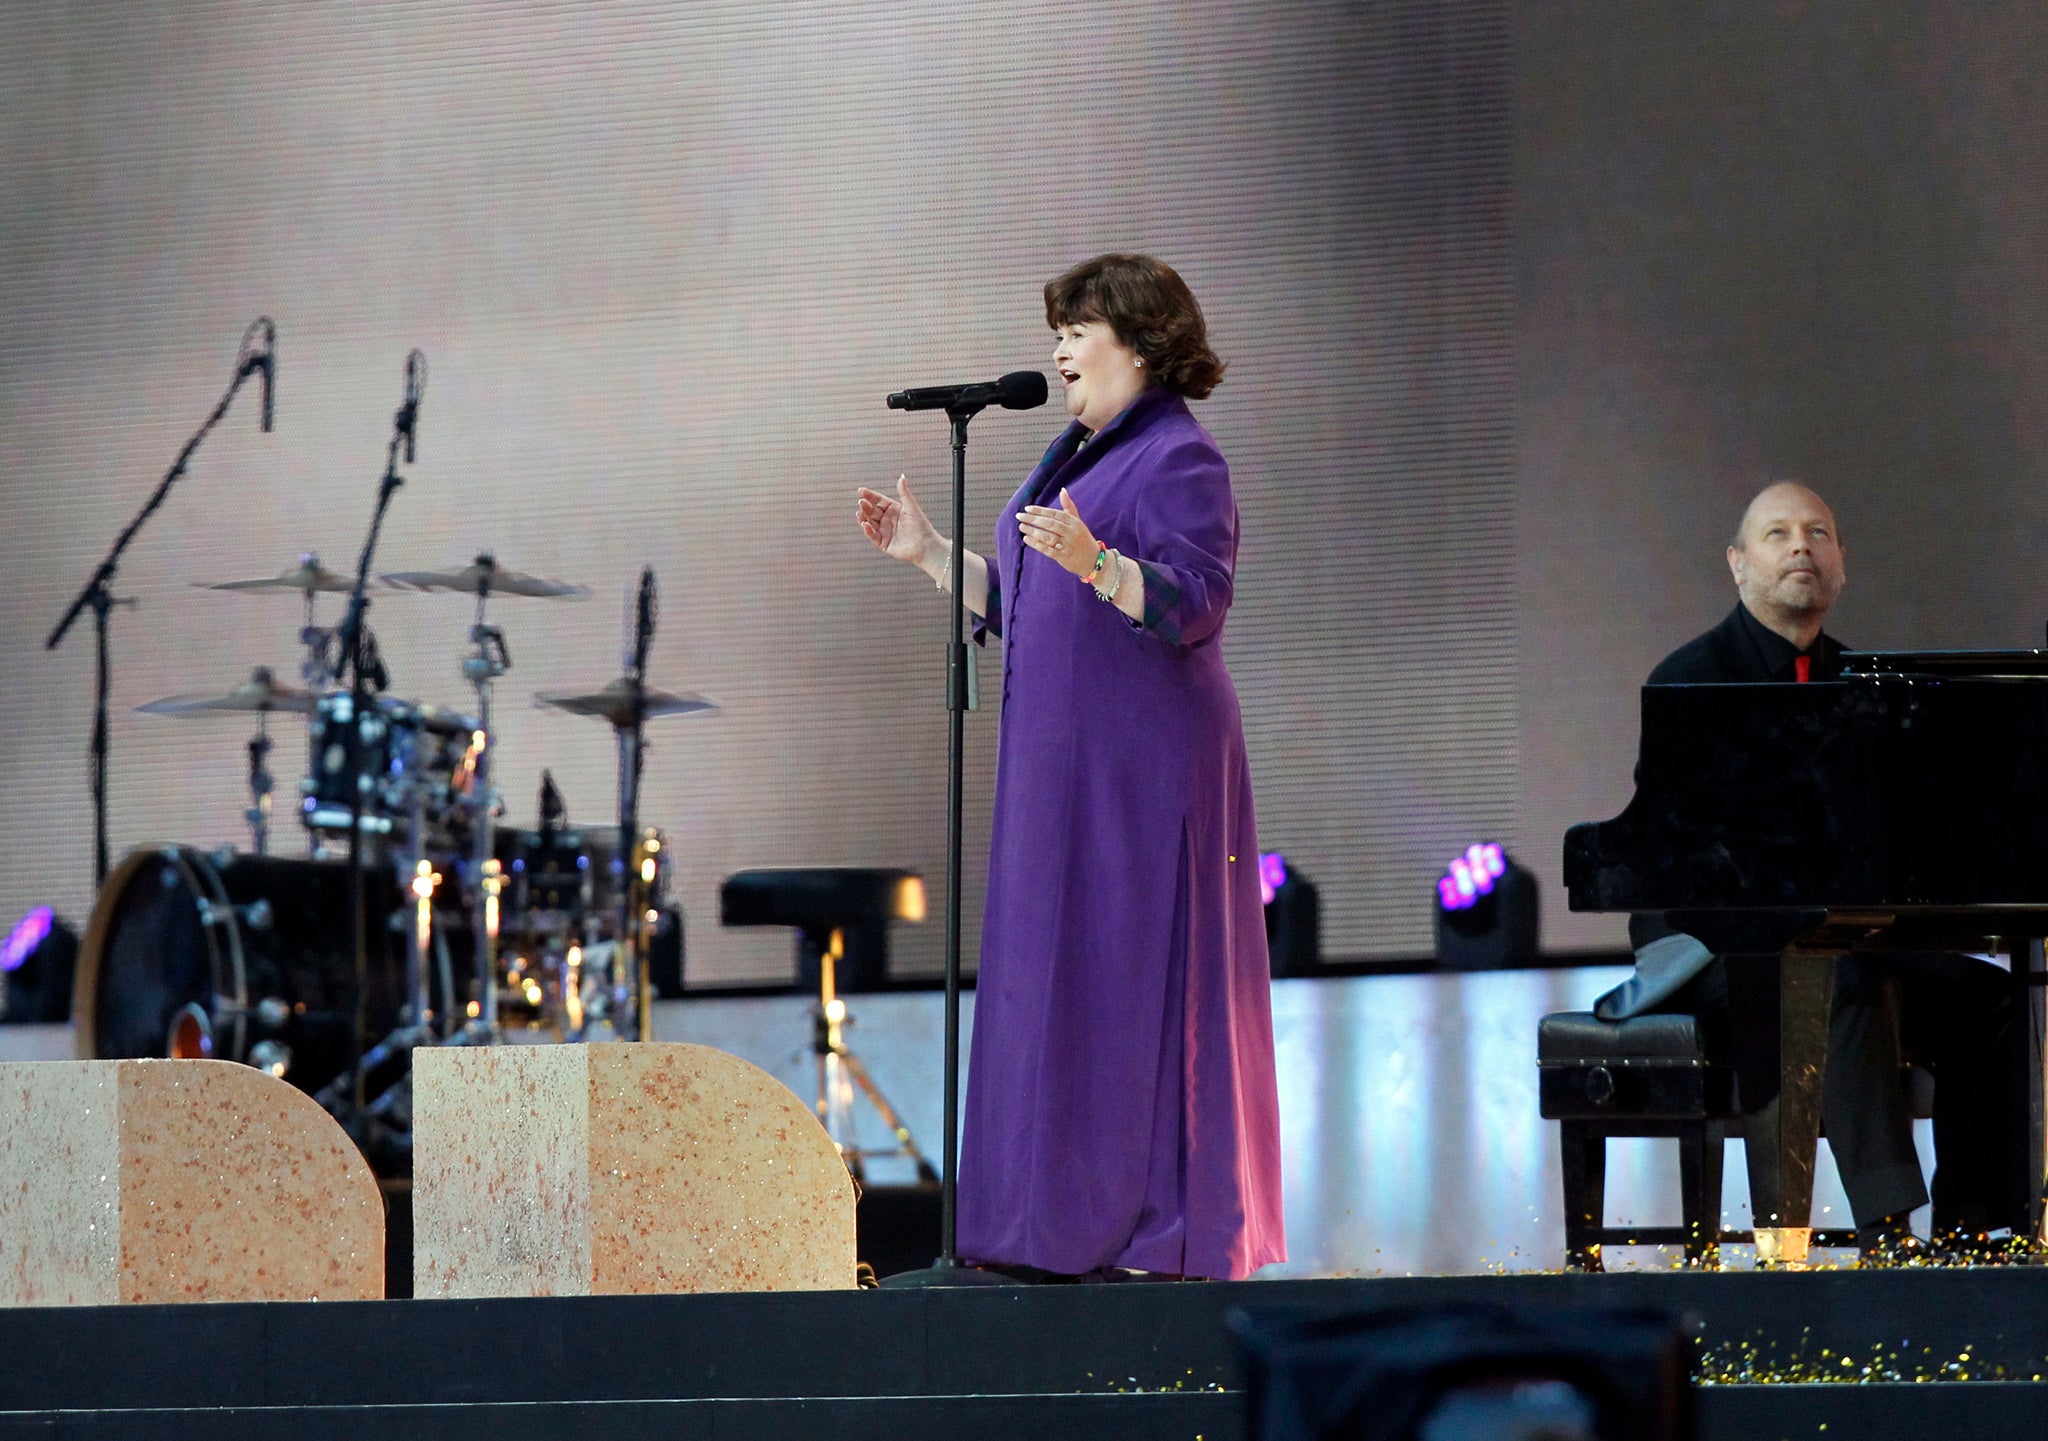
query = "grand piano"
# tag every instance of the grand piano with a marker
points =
(1902, 807)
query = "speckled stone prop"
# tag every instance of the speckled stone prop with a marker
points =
(620, 1168)
(164, 1181)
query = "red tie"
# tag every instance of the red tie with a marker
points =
(1802, 668)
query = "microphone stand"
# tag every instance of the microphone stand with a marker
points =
(961, 698)
(98, 596)
(351, 655)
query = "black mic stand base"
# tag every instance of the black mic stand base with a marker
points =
(943, 1273)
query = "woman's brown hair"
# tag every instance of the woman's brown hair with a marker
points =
(1151, 310)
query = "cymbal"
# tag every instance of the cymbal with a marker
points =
(260, 692)
(307, 578)
(614, 703)
(486, 577)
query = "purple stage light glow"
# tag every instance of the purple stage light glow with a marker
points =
(1471, 876)
(22, 941)
(1272, 876)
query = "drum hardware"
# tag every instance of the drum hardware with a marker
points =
(627, 704)
(491, 659)
(565, 894)
(425, 880)
(308, 578)
(258, 813)
(257, 915)
(485, 577)
(259, 695)
(614, 703)
(256, 354)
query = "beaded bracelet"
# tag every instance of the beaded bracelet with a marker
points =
(1094, 577)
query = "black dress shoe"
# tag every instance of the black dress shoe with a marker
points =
(1891, 1242)
(1983, 1248)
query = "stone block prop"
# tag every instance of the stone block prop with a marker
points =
(166, 1181)
(620, 1168)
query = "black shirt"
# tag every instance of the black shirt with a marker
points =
(1742, 649)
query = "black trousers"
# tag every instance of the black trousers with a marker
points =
(1957, 1016)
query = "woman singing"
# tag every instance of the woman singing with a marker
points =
(1121, 1107)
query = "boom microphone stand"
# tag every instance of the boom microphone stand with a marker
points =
(351, 648)
(961, 406)
(258, 352)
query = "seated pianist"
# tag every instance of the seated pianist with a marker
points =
(1948, 1013)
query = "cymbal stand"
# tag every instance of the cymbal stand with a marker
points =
(258, 814)
(630, 975)
(481, 668)
(629, 968)
(418, 880)
(320, 667)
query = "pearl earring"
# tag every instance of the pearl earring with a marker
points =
(1139, 362)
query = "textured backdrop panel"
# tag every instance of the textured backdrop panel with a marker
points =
(664, 261)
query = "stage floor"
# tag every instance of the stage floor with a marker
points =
(1411, 1139)
(1085, 1362)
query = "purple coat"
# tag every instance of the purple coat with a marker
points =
(1121, 1104)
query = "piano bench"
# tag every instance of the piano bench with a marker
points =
(1647, 1076)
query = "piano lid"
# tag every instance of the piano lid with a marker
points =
(1976, 664)
(1903, 788)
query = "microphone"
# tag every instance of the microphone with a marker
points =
(1019, 390)
(409, 413)
(553, 809)
(264, 362)
(644, 610)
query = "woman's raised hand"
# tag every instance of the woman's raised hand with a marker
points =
(897, 525)
(1060, 535)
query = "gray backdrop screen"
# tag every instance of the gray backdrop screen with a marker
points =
(665, 261)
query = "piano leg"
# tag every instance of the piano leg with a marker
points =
(1784, 1002)
(2030, 966)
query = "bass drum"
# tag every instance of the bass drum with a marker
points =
(241, 958)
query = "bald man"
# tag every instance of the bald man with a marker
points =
(1788, 565)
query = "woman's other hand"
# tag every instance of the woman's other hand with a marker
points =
(898, 526)
(1060, 534)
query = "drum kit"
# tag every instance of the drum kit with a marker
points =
(479, 933)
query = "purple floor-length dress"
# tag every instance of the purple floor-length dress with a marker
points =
(1121, 1104)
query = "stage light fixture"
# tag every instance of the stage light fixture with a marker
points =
(38, 960)
(1486, 911)
(28, 933)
